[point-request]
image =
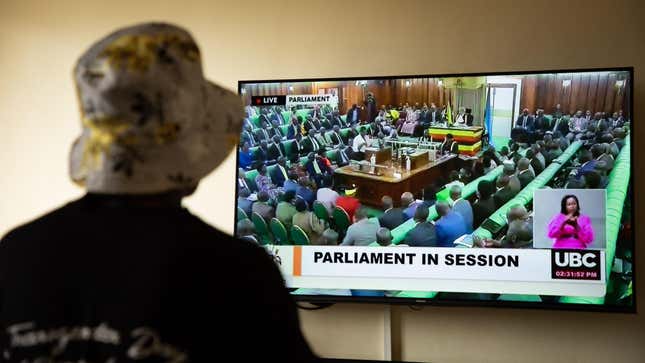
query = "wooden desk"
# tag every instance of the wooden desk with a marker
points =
(382, 155)
(469, 138)
(371, 188)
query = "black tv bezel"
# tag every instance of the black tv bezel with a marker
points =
(331, 299)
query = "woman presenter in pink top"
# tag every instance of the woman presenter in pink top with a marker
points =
(569, 228)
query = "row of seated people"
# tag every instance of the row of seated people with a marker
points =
(338, 145)
(592, 165)
(271, 123)
(531, 127)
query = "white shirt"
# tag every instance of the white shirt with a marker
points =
(359, 143)
(327, 197)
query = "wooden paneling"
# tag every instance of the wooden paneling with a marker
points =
(596, 92)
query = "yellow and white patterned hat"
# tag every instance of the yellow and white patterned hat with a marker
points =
(151, 122)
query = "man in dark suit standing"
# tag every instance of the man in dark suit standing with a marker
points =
(370, 105)
(524, 174)
(504, 192)
(423, 234)
(434, 113)
(468, 117)
(353, 115)
(391, 217)
(279, 173)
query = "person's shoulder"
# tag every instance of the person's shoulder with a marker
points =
(43, 223)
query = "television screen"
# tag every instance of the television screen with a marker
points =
(500, 189)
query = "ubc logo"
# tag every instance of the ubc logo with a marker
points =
(575, 259)
(575, 264)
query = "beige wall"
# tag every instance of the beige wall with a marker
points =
(40, 40)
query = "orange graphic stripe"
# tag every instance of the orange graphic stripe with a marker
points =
(297, 260)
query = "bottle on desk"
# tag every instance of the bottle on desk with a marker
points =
(407, 163)
(372, 163)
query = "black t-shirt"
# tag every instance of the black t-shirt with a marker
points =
(99, 281)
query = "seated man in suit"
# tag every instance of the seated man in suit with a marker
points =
(533, 161)
(294, 129)
(604, 161)
(243, 202)
(310, 144)
(335, 138)
(384, 237)
(434, 114)
(363, 231)
(587, 163)
(513, 180)
(449, 226)
(320, 137)
(504, 192)
(336, 120)
(599, 122)
(560, 124)
(423, 234)
(248, 137)
(523, 129)
(294, 149)
(305, 190)
(519, 233)
(524, 174)
(316, 168)
(540, 124)
(262, 134)
(409, 205)
(392, 217)
(262, 153)
(276, 149)
(343, 156)
(462, 206)
(309, 124)
(263, 208)
(280, 173)
(484, 206)
(449, 146)
(263, 119)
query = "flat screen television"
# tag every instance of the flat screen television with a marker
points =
(493, 189)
